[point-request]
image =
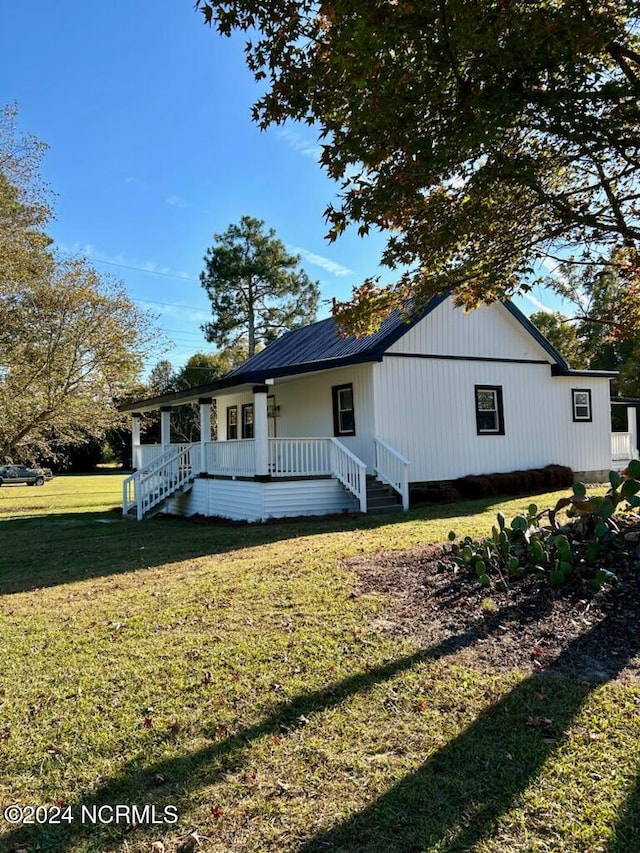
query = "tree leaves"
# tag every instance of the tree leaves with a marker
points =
(255, 286)
(71, 341)
(478, 135)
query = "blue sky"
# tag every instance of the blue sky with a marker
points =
(152, 150)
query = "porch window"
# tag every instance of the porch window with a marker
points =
(247, 421)
(581, 404)
(232, 423)
(489, 412)
(344, 422)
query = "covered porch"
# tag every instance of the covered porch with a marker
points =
(624, 443)
(252, 469)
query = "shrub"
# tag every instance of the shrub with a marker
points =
(551, 551)
(476, 486)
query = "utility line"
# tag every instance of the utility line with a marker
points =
(137, 269)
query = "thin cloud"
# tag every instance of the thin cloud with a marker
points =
(322, 262)
(538, 304)
(176, 201)
(180, 312)
(578, 296)
(87, 250)
(303, 146)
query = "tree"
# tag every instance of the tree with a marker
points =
(483, 136)
(76, 342)
(563, 334)
(200, 369)
(255, 287)
(162, 379)
(25, 207)
(203, 368)
(71, 341)
(599, 297)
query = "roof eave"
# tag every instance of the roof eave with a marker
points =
(244, 379)
(186, 396)
(559, 370)
(536, 334)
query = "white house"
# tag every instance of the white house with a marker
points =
(307, 425)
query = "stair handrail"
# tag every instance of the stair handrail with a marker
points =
(157, 481)
(392, 468)
(350, 471)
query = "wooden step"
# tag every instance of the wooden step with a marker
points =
(381, 498)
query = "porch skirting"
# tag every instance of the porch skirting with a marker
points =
(247, 500)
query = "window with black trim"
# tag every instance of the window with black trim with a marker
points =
(247, 421)
(489, 411)
(232, 423)
(344, 420)
(581, 399)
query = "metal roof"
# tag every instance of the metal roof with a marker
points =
(320, 346)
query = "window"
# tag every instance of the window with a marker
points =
(247, 421)
(344, 422)
(489, 414)
(232, 422)
(581, 404)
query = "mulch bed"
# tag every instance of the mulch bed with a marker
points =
(530, 626)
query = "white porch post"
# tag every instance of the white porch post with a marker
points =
(135, 440)
(205, 431)
(632, 429)
(261, 431)
(165, 427)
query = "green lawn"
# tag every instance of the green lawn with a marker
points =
(231, 672)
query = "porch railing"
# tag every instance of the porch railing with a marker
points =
(350, 471)
(392, 468)
(231, 458)
(293, 457)
(622, 446)
(145, 454)
(160, 479)
(287, 457)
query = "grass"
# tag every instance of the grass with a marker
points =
(232, 672)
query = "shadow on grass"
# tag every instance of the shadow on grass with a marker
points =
(626, 838)
(47, 550)
(454, 800)
(58, 549)
(450, 803)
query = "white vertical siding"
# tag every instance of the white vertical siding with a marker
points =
(306, 407)
(488, 332)
(426, 409)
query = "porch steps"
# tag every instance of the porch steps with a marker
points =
(381, 498)
(159, 507)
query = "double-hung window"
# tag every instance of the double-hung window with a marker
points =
(581, 398)
(344, 421)
(232, 423)
(489, 412)
(247, 421)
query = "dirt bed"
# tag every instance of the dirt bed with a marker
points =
(591, 636)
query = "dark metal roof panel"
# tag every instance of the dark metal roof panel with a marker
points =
(320, 345)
